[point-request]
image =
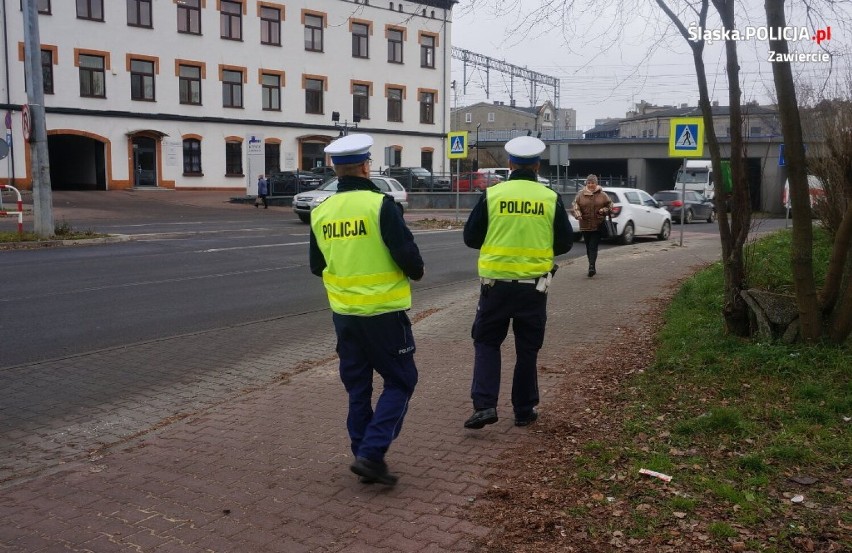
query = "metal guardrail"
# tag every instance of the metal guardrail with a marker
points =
(20, 205)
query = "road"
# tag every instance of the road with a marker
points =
(179, 277)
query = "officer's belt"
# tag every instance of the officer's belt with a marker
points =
(519, 281)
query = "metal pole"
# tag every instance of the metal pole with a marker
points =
(40, 162)
(458, 185)
(477, 145)
(683, 199)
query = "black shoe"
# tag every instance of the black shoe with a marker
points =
(592, 270)
(526, 420)
(481, 417)
(377, 471)
(366, 480)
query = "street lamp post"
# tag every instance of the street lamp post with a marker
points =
(477, 145)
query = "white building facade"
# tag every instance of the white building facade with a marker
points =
(208, 94)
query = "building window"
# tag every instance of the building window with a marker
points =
(44, 7)
(231, 20)
(427, 107)
(232, 88)
(189, 16)
(233, 159)
(426, 159)
(313, 33)
(142, 80)
(92, 81)
(313, 96)
(360, 40)
(139, 13)
(394, 46)
(190, 84)
(491, 117)
(547, 116)
(192, 156)
(90, 9)
(361, 101)
(270, 26)
(395, 105)
(468, 118)
(47, 71)
(756, 131)
(271, 92)
(427, 51)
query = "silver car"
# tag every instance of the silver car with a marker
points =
(306, 201)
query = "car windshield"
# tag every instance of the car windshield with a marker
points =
(420, 171)
(329, 185)
(692, 177)
(666, 196)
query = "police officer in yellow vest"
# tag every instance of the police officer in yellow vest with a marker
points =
(518, 226)
(365, 254)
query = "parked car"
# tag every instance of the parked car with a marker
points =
(305, 202)
(417, 178)
(282, 183)
(326, 172)
(695, 204)
(635, 213)
(474, 180)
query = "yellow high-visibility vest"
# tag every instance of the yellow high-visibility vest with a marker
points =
(361, 277)
(519, 242)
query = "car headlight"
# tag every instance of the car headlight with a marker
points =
(320, 200)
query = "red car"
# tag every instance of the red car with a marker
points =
(475, 180)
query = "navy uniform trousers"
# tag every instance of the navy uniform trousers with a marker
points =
(527, 309)
(383, 343)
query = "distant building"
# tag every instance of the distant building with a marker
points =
(649, 121)
(502, 118)
(196, 94)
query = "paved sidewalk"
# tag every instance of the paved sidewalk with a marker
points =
(267, 469)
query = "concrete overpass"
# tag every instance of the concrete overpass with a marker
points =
(646, 164)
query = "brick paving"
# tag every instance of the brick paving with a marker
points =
(264, 467)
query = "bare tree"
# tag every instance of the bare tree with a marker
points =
(830, 310)
(733, 233)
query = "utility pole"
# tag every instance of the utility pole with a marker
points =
(39, 159)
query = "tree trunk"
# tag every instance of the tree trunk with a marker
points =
(839, 281)
(735, 309)
(794, 152)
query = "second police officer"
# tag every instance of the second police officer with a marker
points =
(518, 226)
(365, 253)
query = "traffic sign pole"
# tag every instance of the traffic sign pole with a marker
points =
(686, 139)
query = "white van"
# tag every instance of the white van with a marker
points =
(698, 176)
(815, 189)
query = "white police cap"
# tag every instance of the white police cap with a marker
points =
(353, 148)
(525, 150)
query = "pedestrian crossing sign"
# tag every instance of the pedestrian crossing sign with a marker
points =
(686, 137)
(457, 145)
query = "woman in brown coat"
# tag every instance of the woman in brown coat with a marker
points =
(590, 207)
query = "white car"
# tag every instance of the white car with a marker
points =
(306, 201)
(635, 212)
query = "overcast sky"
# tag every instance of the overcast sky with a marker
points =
(610, 58)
